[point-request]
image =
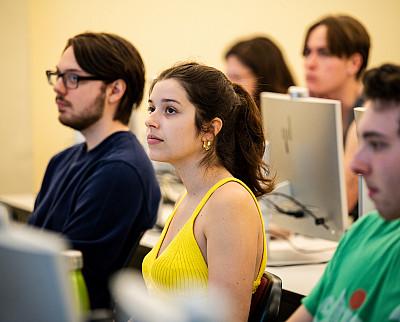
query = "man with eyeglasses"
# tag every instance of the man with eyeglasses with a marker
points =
(101, 194)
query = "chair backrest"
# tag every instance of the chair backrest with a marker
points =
(135, 244)
(266, 300)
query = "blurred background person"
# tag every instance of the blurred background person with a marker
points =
(336, 50)
(258, 65)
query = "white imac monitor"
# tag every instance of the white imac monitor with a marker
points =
(365, 203)
(34, 277)
(306, 155)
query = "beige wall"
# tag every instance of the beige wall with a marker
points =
(165, 32)
(16, 168)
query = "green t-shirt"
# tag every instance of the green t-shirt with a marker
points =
(362, 281)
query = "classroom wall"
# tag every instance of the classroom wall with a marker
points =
(16, 168)
(164, 32)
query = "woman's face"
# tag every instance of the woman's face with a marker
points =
(240, 74)
(171, 132)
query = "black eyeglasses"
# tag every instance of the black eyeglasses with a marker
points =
(70, 79)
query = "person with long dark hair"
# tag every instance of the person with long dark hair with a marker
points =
(259, 66)
(210, 130)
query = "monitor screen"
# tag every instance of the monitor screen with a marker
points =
(34, 276)
(306, 155)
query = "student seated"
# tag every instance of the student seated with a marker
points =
(336, 50)
(361, 282)
(210, 130)
(100, 194)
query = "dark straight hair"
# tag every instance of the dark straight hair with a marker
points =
(382, 84)
(240, 145)
(266, 61)
(345, 36)
(112, 57)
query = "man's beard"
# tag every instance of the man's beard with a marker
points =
(87, 117)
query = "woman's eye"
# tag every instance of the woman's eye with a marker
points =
(151, 109)
(306, 52)
(170, 110)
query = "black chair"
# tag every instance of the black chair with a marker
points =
(266, 300)
(135, 244)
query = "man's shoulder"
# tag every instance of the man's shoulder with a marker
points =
(67, 153)
(123, 146)
(123, 152)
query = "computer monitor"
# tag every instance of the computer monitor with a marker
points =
(306, 153)
(365, 203)
(34, 277)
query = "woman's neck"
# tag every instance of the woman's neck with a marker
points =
(199, 179)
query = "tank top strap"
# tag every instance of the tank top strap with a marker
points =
(168, 222)
(209, 193)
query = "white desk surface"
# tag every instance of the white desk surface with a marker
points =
(299, 279)
(23, 201)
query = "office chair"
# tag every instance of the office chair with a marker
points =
(129, 262)
(266, 300)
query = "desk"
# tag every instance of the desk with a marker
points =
(297, 280)
(19, 206)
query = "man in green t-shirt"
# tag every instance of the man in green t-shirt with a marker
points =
(362, 281)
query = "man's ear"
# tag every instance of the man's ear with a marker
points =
(354, 64)
(116, 90)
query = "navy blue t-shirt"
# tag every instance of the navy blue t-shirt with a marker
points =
(101, 200)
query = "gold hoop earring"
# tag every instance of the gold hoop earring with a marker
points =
(207, 145)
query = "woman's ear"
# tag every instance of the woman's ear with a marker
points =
(216, 125)
(116, 90)
(211, 130)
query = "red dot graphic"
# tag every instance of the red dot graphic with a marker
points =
(357, 299)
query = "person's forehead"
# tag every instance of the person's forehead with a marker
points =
(318, 36)
(234, 62)
(68, 61)
(383, 121)
(169, 88)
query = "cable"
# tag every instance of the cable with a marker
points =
(297, 213)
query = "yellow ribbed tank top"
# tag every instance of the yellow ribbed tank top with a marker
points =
(181, 267)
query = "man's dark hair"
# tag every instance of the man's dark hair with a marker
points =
(112, 57)
(383, 83)
(345, 36)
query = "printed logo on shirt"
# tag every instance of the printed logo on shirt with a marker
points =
(395, 315)
(332, 309)
(357, 299)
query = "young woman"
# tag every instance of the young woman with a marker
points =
(210, 130)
